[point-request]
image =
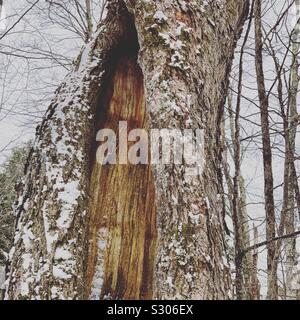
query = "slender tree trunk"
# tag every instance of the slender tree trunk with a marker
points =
(144, 232)
(89, 19)
(240, 219)
(290, 245)
(248, 264)
(244, 261)
(267, 152)
(255, 282)
(289, 116)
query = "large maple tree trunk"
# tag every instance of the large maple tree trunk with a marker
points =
(131, 232)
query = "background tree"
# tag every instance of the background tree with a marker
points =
(10, 176)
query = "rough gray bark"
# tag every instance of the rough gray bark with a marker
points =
(48, 256)
(186, 50)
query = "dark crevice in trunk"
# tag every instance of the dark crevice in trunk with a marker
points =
(122, 210)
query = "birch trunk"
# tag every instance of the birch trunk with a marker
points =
(84, 231)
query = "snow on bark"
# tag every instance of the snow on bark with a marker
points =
(186, 53)
(98, 278)
(47, 259)
(2, 278)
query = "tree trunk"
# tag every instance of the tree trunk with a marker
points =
(290, 244)
(127, 232)
(255, 285)
(89, 19)
(244, 262)
(267, 152)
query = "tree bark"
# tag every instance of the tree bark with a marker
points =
(290, 245)
(267, 152)
(89, 19)
(123, 233)
(244, 261)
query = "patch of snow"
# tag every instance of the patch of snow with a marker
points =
(2, 278)
(27, 238)
(175, 200)
(169, 282)
(24, 289)
(207, 203)
(59, 273)
(54, 291)
(98, 279)
(195, 218)
(160, 17)
(62, 254)
(189, 277)
(27, 260)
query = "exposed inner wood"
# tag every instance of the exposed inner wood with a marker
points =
(122, 225)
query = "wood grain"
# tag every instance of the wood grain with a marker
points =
(123, 197)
